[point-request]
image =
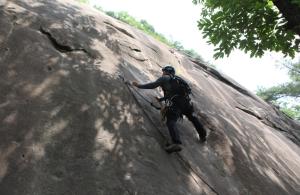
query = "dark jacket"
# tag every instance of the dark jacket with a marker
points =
(164, 83)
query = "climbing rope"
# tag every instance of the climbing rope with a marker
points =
(184, 162)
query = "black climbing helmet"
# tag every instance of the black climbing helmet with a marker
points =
(169, 69)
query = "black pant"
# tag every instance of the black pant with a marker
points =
(182, 106)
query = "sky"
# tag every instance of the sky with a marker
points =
(177, 20)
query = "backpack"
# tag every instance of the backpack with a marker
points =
(180, 86)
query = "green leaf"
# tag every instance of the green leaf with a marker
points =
(246, 25)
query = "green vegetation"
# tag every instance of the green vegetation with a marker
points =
(281, 94)
(83, 1)
(149, 29)
(257, 26)
(254, 26)
(142, 25)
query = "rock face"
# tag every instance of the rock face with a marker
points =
(69, 124)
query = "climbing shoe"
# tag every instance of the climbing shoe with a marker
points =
(173, 148)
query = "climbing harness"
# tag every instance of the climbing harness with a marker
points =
(181, 158)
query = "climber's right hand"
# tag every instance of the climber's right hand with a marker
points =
(134, 83)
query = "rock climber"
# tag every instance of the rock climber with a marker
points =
(178, 103)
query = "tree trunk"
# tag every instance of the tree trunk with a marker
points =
(291, 12)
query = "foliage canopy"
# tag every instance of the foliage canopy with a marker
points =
(279, 94)
(253, 26)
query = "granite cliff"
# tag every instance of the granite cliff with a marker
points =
(69, 124)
